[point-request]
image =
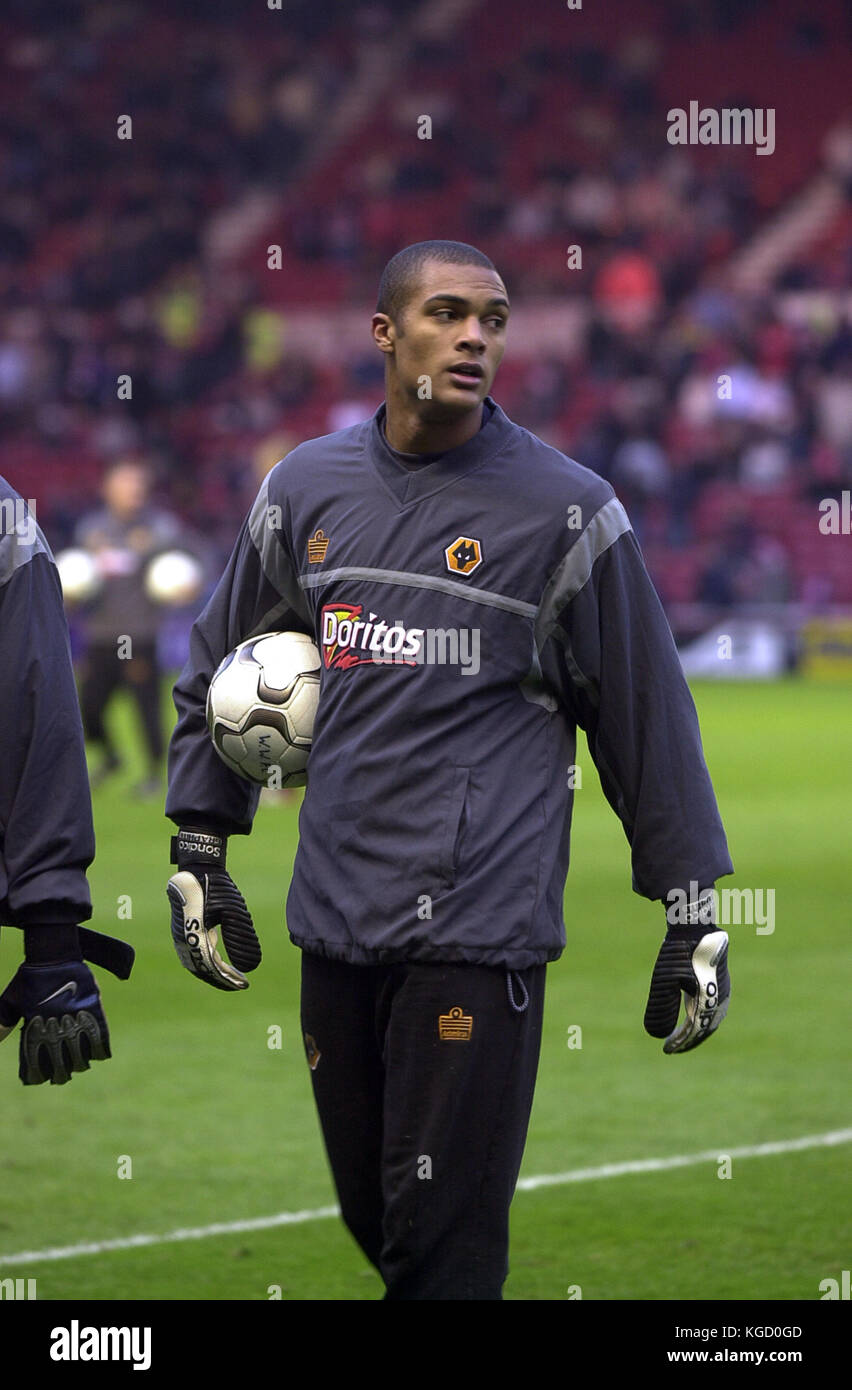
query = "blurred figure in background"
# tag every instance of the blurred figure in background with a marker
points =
(122, 621)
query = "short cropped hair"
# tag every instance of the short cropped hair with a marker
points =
(402, 271)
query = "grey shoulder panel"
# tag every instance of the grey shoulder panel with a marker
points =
(265, 524)
(268, 549)
(571, 575)
(574, 571)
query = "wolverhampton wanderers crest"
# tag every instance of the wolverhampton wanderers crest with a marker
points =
(464, 555)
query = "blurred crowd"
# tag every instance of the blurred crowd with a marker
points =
(715, 414)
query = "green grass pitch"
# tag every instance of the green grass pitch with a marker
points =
(220, 1127)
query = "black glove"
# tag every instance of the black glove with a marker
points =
(203, 896)
(56, 994)
(693, 959)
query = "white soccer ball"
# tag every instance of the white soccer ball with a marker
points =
(79, 575)
(261, 706)
(173, 578)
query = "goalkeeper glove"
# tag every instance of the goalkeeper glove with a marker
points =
(57, 996)
(203, 896)
(693, 959)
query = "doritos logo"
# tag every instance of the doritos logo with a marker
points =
(349, 639)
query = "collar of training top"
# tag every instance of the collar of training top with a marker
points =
(407, 486)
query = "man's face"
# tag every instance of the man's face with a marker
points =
(456, 314)
(126, 490)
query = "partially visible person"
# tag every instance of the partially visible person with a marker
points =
(47, 839)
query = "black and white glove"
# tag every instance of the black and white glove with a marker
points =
(693, 961)
(56, 994)
(203, 896)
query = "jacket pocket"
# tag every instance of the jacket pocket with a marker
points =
(453, 826)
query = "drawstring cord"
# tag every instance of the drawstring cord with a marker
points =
(518, 1008)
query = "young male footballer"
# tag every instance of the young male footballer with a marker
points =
(428, 885)
(47, 839)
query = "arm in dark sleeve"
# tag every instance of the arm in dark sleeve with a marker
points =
(257, 593)
(619, 674)
(48, 838)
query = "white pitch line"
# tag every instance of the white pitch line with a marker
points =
(659, 1165)
(295, 1218)
(219, 1228)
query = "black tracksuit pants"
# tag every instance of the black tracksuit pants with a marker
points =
(423, 1077)
(103, 673)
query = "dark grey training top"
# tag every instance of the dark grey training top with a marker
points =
(47, 840)
(470, 613)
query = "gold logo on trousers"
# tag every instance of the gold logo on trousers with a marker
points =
(455, 1026)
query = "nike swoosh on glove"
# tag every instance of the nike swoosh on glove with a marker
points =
(65, 1028)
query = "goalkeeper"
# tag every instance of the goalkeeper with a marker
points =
(46, 833)
(428, 886)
